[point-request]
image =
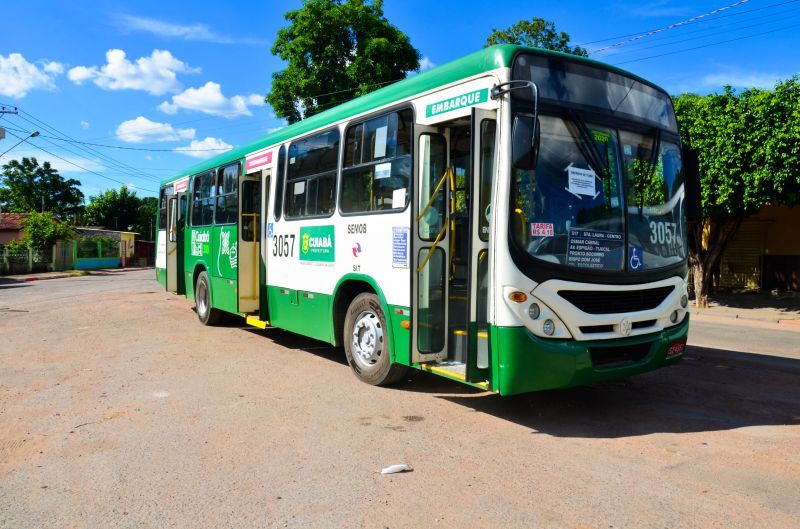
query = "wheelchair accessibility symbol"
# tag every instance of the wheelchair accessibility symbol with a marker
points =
(636, 256)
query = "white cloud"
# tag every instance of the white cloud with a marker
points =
(206, 148)
(209, 99)
(426, 64)
(156, 74)
(143, 130)
(84, 124)
(148, 157)
(18, 76)
(196, 31)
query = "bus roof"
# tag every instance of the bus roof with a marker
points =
(493, 57)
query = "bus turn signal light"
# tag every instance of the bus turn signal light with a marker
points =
(405, 324)
(518, 297)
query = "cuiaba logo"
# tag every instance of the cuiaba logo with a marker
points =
(304, 246)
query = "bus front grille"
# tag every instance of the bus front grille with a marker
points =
(610, 302)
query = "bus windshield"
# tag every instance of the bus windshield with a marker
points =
(599, 198)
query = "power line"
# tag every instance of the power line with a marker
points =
(671, 26)
(123, 168)
(81, 167)
(79, 142)
(708, 45)
(714, 34)
(736, 14)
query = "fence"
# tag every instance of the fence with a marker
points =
(85, 253)
(25, 262)
(95, 252)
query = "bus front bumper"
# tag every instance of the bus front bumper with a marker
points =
(529, 363)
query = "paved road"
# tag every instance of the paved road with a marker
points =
(117, 409)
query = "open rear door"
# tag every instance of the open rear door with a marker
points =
(431, 247)
(250, 240)
(173, 231)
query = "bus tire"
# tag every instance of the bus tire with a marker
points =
(366, 342)
(202, 299)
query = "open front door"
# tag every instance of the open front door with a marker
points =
(249, 240)
(175, 242)
(431, 246)
(484, 133)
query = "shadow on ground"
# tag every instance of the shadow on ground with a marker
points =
(710, 390)
(787, 301)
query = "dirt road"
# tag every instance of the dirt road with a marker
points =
(118, 409)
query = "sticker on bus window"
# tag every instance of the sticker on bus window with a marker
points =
(383, 170)
(541, 229)
(601, 250)
(581, 181)
(380, 142)
(399, 198)
(299, 188)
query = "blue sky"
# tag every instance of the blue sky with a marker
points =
(160, 76)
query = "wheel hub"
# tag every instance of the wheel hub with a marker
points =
(367, 339)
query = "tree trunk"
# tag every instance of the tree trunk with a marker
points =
(708, 241)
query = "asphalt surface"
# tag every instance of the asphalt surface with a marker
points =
(118, 409)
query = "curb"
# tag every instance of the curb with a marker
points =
(736, 320)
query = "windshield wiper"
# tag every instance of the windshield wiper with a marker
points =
(583, 137)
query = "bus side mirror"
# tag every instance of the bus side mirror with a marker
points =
(525, 143)
(691, 171)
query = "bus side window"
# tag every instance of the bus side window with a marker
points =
(203, 199)
(279, 183)
(311, 176)
(227, 192)
(166, 192)
(377, 164)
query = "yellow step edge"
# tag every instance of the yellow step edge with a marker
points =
(440, 371)
(459, 332)
(483, 334)
(255, 322)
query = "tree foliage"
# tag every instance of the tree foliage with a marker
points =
(121, 210)
(336, 50)
(748, 148)
(537, 33)
(40, 232)
(26, 187)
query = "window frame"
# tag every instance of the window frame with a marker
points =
(192, 201)
(362, 121)
(280, 181)
(316, 176)
(220, 170)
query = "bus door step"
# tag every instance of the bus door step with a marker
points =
(255, 322)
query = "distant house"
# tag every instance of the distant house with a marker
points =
(126, 240)
(765, 253)
(11, 226)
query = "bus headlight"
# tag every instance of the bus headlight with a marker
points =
(684, 301)
(674, 316)
(549, 327)
(534, 311)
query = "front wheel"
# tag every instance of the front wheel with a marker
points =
(202, 299)
(366, 342)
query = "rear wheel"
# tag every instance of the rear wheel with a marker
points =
(366, 342)
(202, 298)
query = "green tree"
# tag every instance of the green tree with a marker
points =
(336, 50)
(26, 186)
(748, 148)
(146, 220)
(115, 210)
(537, 33)
(40, 232)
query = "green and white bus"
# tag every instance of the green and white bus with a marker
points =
(514, 220)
